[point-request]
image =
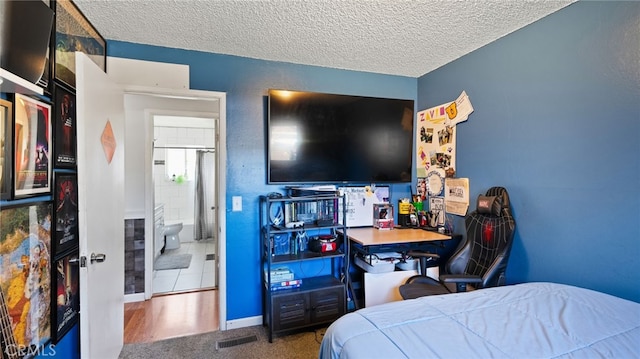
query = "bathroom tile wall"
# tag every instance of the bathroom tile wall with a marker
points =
(176, 197)
(133, 256)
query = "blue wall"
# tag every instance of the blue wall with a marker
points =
(246, 82)
(557, 121)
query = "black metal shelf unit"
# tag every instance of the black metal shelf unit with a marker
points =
(288, 225)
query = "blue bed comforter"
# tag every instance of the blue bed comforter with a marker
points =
(531, 320)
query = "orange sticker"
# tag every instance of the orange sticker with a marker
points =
(452, 111)
(108, 141)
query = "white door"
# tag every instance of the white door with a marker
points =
(100, 127)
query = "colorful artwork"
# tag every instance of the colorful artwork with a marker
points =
(75, 33)
(65, 129)
(436, 137)
(32, 146)
(66, 213)
(66, 295)
(6, 145)
(25, 247)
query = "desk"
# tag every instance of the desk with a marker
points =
(382, 287)
(371, 240)
(376, 237)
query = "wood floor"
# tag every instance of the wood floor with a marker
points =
(172, 315)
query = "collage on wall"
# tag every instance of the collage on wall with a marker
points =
(436, 153)
(39, 236)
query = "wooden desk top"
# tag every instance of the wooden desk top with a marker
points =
(369, 236)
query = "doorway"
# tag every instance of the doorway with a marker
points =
(141, 105)
(184, 177)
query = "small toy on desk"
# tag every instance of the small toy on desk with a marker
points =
(383, 215)
(404, 212)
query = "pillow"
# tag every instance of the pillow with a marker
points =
(489, 205)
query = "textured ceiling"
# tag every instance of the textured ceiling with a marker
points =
(408, 38)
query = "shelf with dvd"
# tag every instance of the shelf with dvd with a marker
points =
(304, 260)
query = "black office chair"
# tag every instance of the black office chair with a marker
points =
(481, 260)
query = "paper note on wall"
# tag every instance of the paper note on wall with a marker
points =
(360, 201)
(456, 195)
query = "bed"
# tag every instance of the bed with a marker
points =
(531, 320)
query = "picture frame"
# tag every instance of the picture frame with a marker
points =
(74, 32)
(65, 295)
(6, 146)
(64, 130)
(32, 165)
(65, 213)
(25, 280)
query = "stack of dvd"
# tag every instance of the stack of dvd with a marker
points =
(287, 284)
(282, 278)
(279, 275)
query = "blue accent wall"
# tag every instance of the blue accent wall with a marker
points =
(557, 122)
(246, 82)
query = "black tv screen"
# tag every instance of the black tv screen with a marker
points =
(331, 138)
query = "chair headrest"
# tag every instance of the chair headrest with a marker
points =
(491, 205)
(502, 193)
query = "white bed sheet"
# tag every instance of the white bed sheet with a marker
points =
(531, 320)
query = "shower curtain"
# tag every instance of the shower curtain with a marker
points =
(204, 225)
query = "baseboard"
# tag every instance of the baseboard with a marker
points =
(244, 322)
(136, 297)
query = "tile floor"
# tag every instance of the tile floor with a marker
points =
(200, 274)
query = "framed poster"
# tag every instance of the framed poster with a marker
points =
(31, 147)
(25, 275)
(75, 33)
(64, 131)
(65, 295)
(6, 144)
(65, 214)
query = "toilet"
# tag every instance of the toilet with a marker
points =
(171, 237)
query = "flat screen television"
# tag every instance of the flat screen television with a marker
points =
(340, 139)
(25, 31)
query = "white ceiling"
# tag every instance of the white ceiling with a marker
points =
(398, 37)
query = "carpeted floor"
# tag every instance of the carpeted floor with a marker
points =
(245, 343)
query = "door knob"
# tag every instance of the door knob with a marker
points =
(98, 257)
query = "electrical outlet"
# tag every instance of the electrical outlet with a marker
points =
(237, 204)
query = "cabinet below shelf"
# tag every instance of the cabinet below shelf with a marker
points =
(298, 308)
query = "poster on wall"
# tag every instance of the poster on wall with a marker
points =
(25, 247)
(31, 146)
(6, 143)
(65, 204)
(436, 138)
(64, 140)
(75, 33)
(65, 294)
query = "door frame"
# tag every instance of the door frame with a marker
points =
(221, 171)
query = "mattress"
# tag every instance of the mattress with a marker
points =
(531, 320)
